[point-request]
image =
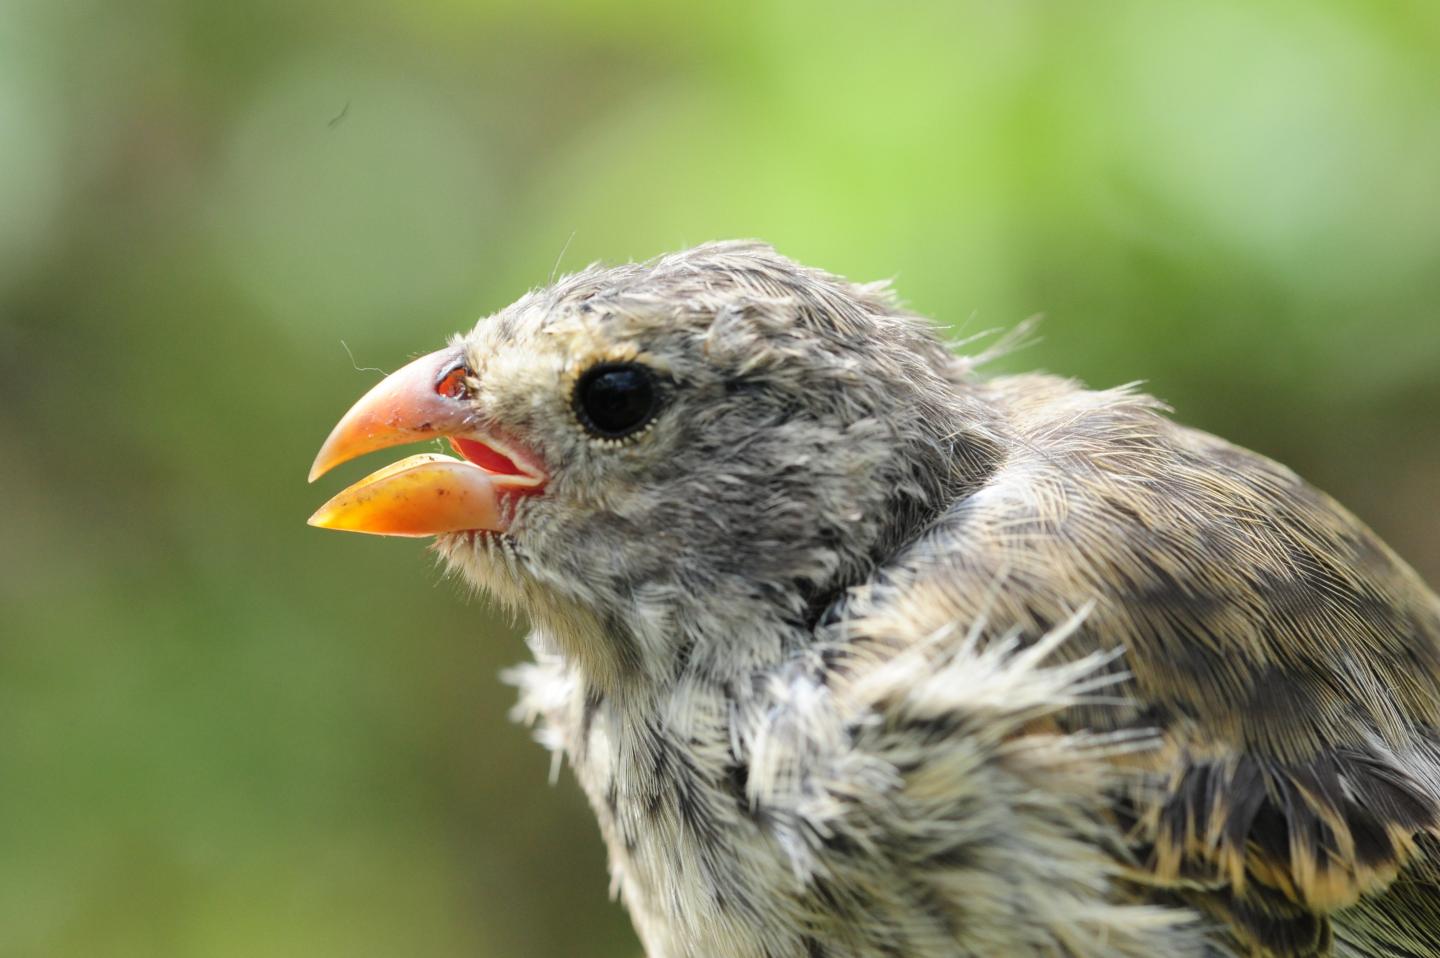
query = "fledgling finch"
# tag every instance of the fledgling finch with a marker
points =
(859, 654)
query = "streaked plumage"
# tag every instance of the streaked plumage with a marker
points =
(857, 653)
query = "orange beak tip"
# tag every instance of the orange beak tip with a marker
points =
(319, 467)
(319, 519)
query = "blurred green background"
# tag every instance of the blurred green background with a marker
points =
(223, 733)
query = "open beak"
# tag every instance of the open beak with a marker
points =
(428, 494)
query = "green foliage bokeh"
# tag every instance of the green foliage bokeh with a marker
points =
(224, 733)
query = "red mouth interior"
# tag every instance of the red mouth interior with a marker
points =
(485, 457)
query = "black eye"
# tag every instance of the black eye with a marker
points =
(616, 399)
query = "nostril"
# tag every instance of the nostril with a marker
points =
(452, 384)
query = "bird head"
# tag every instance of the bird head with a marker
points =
(675, 463)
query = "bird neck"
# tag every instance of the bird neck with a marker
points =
(637, 650)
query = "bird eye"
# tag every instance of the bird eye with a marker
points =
(613, 400)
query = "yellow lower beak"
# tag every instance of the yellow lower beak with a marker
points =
(421, 495)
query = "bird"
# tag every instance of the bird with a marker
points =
(857, 650)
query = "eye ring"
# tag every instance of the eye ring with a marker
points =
(614, 400)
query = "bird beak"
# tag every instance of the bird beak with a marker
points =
(428, 494)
